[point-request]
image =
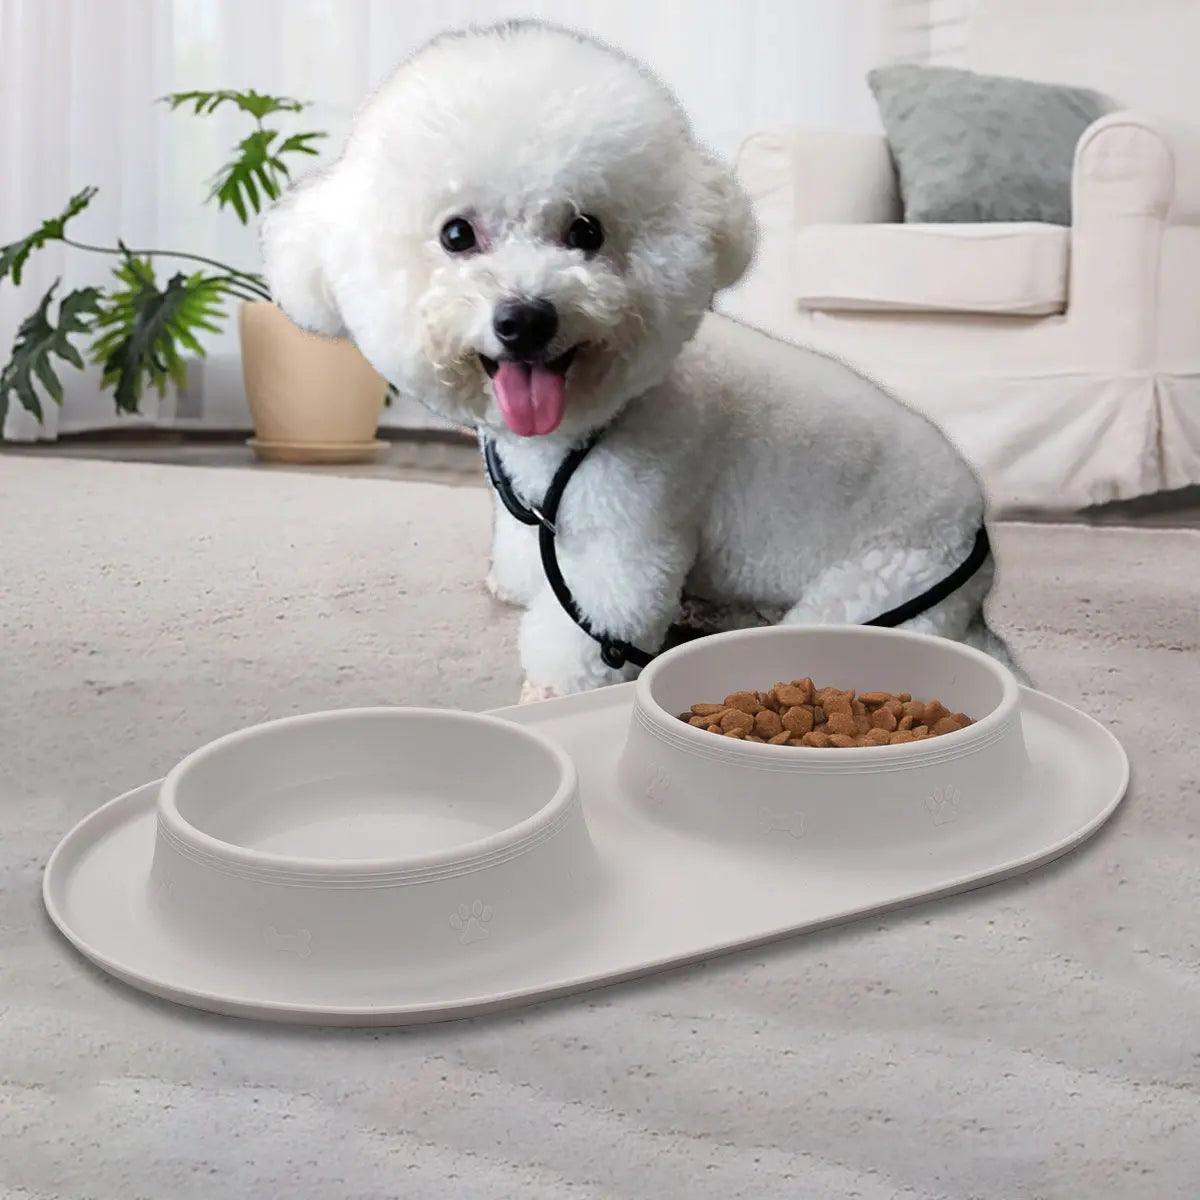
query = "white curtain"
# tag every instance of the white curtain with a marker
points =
(926, 31)
(79, 80)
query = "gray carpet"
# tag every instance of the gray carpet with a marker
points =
(1034, 1039)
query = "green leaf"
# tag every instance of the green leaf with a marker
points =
(298, 143)
(257, 104)
(14, 256)
(144, 329)
(258, 172)
(39, 342)
(237, 184)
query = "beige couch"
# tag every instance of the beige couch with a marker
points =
(1065, 362)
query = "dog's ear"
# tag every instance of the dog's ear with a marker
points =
(295, 236)
(733, 228)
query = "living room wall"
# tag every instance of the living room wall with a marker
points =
(78, 81)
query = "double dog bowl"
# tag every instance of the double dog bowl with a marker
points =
(387, 865)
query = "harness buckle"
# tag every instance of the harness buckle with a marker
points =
(543, 520)
(612, 654)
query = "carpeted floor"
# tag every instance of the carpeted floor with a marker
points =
(1035, 1039)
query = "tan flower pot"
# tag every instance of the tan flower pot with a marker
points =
(313, 399)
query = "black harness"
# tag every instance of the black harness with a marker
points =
(616, 653)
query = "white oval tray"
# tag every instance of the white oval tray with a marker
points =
(669, 897)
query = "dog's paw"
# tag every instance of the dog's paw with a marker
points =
(531, 693)
(498, 592)
(493, 586)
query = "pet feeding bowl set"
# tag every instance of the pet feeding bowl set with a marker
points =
(392, 866)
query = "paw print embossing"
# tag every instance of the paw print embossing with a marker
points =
(298, 942)
(783, 822)
(471, 922)
(942, 805)
(657, 784)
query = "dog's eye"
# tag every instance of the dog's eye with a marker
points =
(458, 236)
(585, 233)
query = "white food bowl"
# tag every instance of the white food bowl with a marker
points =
(390, 866)
(368, 838)
(853, 800)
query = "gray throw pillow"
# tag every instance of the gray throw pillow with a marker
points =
(970, 147)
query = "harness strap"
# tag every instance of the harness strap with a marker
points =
(616, 653)
(936, 594)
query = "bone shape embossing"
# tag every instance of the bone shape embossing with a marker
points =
(791, 823)
(298, 942)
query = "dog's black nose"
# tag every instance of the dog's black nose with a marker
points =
(525, 327)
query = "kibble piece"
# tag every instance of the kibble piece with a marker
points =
(904, 697)
(715, 729)
(798, 720)
(700, 722)
(935, 710)
(962, 719)
(895, 707)
(841, 723)
(883, 718)
(920, 732)
(753, 737)
(841, 741)
(837, 704)
(819, 717)
(914, 709)
(945, 725)
(900, 737)
(862, 723)
(858, 708)
(707, 710)
(736, 719)
(790, 696)
(876, 737)
(746, 702)
(816, 738)
(780, 739)
(738, 735)
(906, 723)
(875, 698)
(767, 723)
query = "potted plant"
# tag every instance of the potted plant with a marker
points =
(312, 398)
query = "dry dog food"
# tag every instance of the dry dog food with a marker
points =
(801, 714)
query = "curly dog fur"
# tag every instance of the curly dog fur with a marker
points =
(522, 168)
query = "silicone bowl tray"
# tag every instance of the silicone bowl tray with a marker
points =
(391, 866)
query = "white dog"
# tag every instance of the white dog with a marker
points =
(523, 234)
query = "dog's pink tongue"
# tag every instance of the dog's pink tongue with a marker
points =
(530, 397)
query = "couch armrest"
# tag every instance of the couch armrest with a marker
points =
(1134, 164)
(798, 176)
(1135, 237)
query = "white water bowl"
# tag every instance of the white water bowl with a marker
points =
(369, 841)
(914, 797)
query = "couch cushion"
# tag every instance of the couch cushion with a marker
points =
(972, 147)
(1018, 269)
